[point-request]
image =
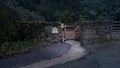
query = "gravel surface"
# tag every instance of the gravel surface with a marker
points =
(76, 51)
(105, 57)
(49, 52)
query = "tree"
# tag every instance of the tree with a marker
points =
(7, 27)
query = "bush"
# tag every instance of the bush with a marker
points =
(7, 27)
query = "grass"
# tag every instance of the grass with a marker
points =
(15, 48)
(11, 48)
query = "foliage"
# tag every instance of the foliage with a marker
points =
(7, 27)
(72, 10)
(9, 48)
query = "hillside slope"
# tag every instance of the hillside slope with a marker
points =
(65, 10)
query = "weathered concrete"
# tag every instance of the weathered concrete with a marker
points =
(74, 53)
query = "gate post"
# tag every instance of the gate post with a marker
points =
(87, 34)
(62, 31)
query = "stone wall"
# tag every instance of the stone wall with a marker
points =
(39, 32)
(95, 31)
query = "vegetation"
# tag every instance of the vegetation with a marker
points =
(7, 28)
(67, 11)
(73, 10)
(8, 31)
(17, 37)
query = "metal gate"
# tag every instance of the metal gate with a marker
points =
(72, 32)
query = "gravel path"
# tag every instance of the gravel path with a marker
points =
(75, 52)
(105, 57)
(50, 52)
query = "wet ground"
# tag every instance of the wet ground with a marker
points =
(48, 53)
(105, 57)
